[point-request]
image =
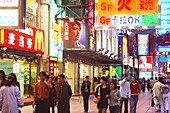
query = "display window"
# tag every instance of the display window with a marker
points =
(25, 71)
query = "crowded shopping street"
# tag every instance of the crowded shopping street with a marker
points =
(84, 56)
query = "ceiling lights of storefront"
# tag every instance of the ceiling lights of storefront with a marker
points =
(103, 59)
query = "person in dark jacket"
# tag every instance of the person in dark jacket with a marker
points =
(103, 94)
(2, 78)
(63, 95)
(85, 91)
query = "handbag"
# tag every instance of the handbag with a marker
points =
(95, 99)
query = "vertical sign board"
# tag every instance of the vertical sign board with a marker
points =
(12, 14)
(145, 63)
(120, 47)
(126, 13)
(56, 31)
(165, 15)
(125, 52)
(143, 45)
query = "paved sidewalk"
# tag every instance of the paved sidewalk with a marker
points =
(144, 105)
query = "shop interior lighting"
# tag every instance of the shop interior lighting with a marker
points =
(101, 50)
(111, 54)
(131, 27)
(106, 52)
(144, 27)
(4, 48)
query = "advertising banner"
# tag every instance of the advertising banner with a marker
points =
(12, 14)
(164, 17)
(56, 31)
(143, 44)
(120, 47)
(145, 63)
(146, 75)
(31, 39)
(31, 12)
(125, 50)
(75, 35)
(126, 13)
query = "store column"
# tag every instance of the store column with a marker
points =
(44, 15)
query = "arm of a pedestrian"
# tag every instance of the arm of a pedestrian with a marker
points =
(35, 96)
(122, 81)
(18, 97)
(70, 91)
(48, 84)
(1, 96)
(129, 91)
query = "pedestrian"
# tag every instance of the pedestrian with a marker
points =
(135, 90)
(157, 94)
(52, 93)
(10, 98)
(41, 94)
(15, 79)
(102, 94)
(152, 82)
(114, 105)
(143, 84)
(124, 93)
(2, 78)
(85, 91)
(63, 95)
(148, 84)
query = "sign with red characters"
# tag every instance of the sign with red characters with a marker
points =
(30, 39)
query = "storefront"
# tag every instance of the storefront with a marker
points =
(20, 53)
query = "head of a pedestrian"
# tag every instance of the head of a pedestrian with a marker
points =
(103, 80)
(2, 75)
(42, 76)
(161, 79)
(10, 81)
(87, 78)
(113, 86)
(61, 79)
(133, 79)
(13, 75)
(124, 76)
(51, 78)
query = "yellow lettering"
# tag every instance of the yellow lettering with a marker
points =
(39, 41)
(2, 36)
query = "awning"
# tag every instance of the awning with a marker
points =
(103, 59)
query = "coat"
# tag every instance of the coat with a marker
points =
(10, 99)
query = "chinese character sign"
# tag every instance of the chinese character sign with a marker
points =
(145, 63)
(117, 7)
(126, 13)
(31, 39)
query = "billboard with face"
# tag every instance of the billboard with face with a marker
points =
(74, 35)
(145, 63)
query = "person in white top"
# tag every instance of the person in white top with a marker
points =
(157, 95)
(125, 92)
(10, 97)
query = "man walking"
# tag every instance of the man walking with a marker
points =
(63, 95)
(124, 92)
(85, 91)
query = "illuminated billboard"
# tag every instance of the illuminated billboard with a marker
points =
(125, 50)
(145, 63)
(126, 14)
(56, 31)
(164, 17)
(30, 39)
(143, 44)
(74, 35)
(146, 75)
(12, 14)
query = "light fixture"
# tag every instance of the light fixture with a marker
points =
(111, 54)
(106, 52)
(101, 50)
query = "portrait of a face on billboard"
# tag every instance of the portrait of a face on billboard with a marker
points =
(145, 63)
(75, 35)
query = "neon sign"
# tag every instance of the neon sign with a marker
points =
(123, 13)
(165, 15)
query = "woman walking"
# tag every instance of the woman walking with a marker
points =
(10, 97)
(135, 90)
(114, 106)
(102, 94)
